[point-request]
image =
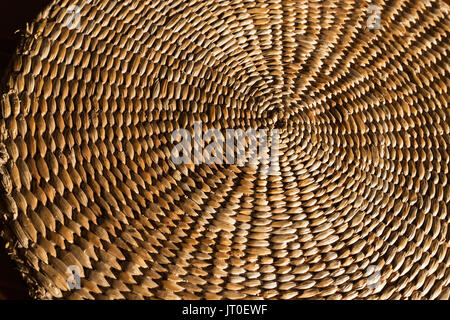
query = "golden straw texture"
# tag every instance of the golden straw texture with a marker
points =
(359, 209)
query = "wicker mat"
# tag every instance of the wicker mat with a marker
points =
(357, 207)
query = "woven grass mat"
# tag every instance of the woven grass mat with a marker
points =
(358, 91)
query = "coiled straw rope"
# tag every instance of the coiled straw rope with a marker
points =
(358, 209)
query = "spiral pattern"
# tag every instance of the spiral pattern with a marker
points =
(356, 89)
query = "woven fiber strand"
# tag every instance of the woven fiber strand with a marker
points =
(359, 209)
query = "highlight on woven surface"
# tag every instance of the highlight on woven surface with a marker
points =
(356, 205)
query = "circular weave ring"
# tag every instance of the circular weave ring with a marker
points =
(357, 207)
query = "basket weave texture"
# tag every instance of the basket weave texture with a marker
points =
(359, 209)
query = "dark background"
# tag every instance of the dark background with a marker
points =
(14, 14)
